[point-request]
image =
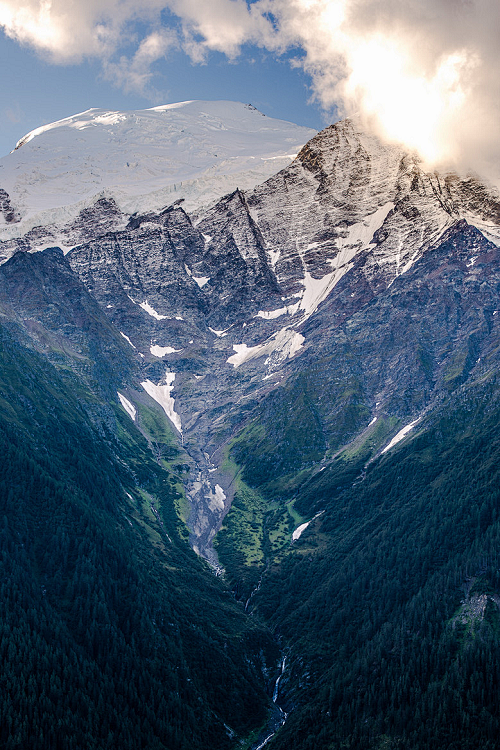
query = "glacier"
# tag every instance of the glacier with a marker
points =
(194, 151)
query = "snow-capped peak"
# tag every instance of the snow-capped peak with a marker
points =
(144, 159)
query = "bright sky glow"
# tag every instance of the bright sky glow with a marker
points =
(421, 110)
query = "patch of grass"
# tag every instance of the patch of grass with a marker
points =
(294, 514)
(244, 524)
(375, 439)
(279, 533)
(181, 503)
(240, 541)
(156, 426)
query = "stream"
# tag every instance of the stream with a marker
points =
(280, 716)
(254, 591)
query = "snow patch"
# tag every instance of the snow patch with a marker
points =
(298, 531)
(285, 343)
(303, 526)
(272, 314)
(150, 311)
(358, 236)
(219, 334)
(161, 394)
(243, 353)
(220, 496)
(160, 351)
(316, 290)
(127, 339)
(362, 232)
(129, 408)
(401, 434)
(201, 280)
(296, 343)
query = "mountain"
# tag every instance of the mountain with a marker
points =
(144, 160)
(244, 299)
(301, 377)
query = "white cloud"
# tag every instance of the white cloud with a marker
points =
(225, 25)
(135, 74)
(424, 73)
(65, 32)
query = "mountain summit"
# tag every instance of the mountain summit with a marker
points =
(221, 309)
(144, 159)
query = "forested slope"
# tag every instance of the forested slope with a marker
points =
(395, 610)
(113, 633)
(389, 600)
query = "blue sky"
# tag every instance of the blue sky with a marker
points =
(35, 92)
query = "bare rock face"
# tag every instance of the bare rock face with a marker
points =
(55, 314)
(97, 220)
(346, 193)
(351, 283)
(10, 216)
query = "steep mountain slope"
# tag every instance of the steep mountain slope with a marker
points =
(219, 312)
(314, 364)
(388, 597)
(389, 600)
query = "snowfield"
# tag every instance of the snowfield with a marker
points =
(144, 159)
